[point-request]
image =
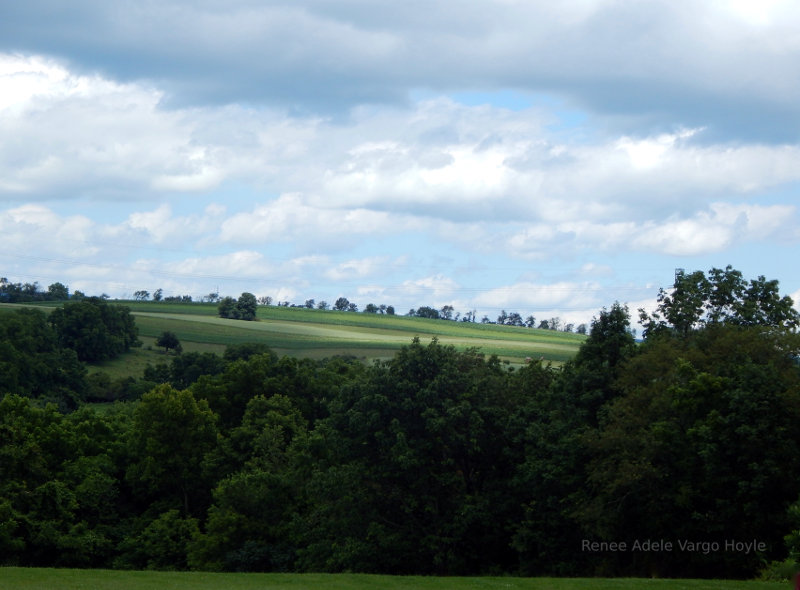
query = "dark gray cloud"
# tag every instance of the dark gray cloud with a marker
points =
(657, 64)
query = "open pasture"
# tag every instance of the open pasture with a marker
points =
(46, 579)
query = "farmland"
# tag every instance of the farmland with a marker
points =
(316, 333)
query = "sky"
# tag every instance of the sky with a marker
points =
(545, 158)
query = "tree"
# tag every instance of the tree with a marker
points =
(172, 432)
(427, 312)
(95, 329)
(416, 476)
(158, 294)
(227, 308)
(342, 304)
(141, 295)
(514, 319)
(322, 305)
(33, 364)
(702, 438)
(57, 292)
(168, 340)
(371, 308)
(187, 368)
(265, 300)
(610, 341)
(722, 297)
(246, 307)
(248, 522)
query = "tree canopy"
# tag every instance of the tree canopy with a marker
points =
(438, 460)
(721, 297)
(95, 329)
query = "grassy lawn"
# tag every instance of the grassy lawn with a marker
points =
(48, 579)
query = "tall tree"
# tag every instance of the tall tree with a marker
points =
(722, 297)
(172, 433)
(246, 306)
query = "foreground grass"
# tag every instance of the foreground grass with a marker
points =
(47, 579)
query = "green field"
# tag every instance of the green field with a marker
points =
(317, 334)
(47, 579)
(312, 333)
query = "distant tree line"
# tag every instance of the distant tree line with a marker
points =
(27, 292)
(245, 308)
(437, 461)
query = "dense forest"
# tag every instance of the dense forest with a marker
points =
(674, 456)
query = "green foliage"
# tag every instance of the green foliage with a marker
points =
(246, 307)
(702, 439)
(724, 297)
(438, 460)
(227, 308)
(189, 367)
(163, 543)
(20, 293)
(95, 329)
(34, 365)
(243, 308)
(420, 455)
(245, 350)
(248, 524)
(168, 340)
(171, 434)
(57, 292)
(57, 484)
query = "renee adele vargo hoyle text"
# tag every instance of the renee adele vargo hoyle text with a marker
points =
(683, 545)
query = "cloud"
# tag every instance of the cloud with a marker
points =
(35, 228)
(291, 218)
(714, 64)
(300, 148)
(716, 229)
(386, 169)
(527, 295)
(358, 268)
(76, 135)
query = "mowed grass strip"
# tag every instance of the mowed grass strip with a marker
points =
(13, 578)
